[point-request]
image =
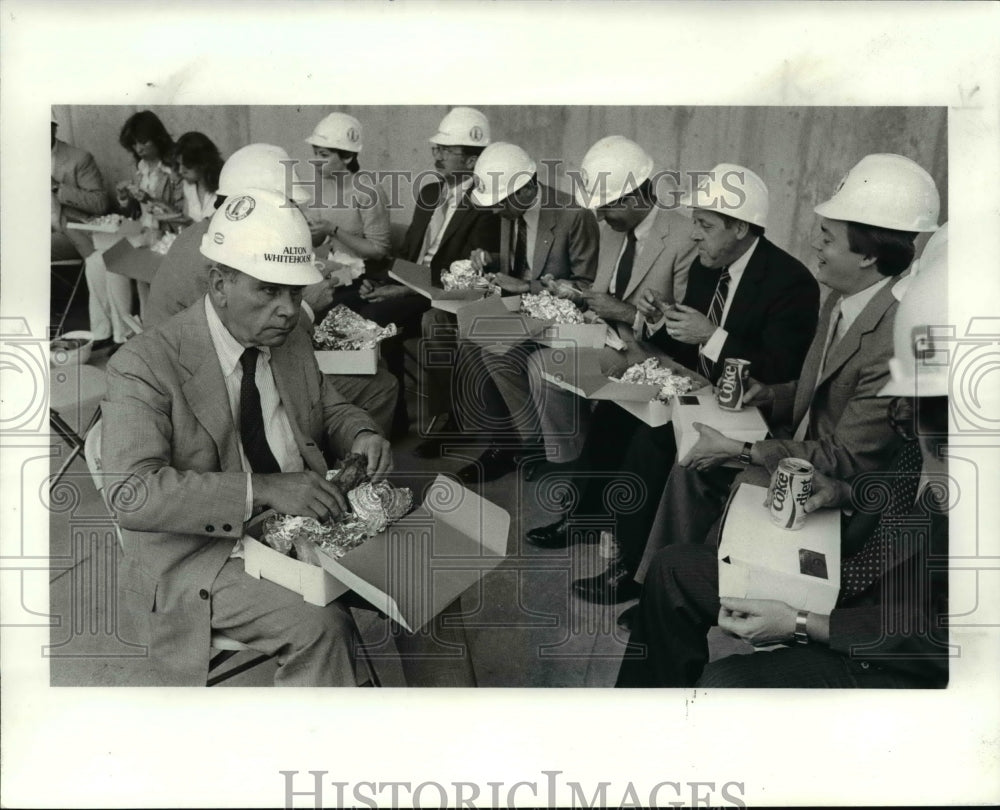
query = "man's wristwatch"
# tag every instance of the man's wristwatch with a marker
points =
(744, 456)
(801, 635)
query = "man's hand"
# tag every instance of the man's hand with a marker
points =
(307, 494)
(378, 451)
(711, 449)
(827, 493)
(758, 621)
(319, 295)
(687, 324)
(652, 306)
(562, 288)
(123, 192)
(481, 260)
(758, 395)
(510, 284)
(369, 292)
(606, 306)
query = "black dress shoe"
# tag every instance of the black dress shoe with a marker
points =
(627, 619)
(495, 463)
(534, 470)
(613, 586)
(555, 535)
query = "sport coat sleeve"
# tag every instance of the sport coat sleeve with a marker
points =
(86, 191)
(145, 492)
(342, 421)
(584, 237)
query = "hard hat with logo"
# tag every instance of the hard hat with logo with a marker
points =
(612, 168)
(502, 169)
(259, 165)
(338, 131)
(920, 361)
(731, 190)
(463, 126)
(888, 191)
(257, 232)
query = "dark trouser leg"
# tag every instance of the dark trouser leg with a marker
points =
(477, 403)
(678, 606)
(438, 358)
(601, 480)
(439, 655)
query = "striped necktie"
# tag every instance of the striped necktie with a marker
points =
(715, 316)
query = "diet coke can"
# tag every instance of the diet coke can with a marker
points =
(791, 487)
(733, 384)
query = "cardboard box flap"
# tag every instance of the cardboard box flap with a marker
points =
(427, 282)
(127, 258)
(746, 425)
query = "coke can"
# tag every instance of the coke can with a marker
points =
(733, 384)
(791, 487)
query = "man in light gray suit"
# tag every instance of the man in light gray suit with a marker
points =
(219, 413)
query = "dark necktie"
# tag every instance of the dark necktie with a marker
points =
(520, 261)
(860, 571)
(625, 263)
(715, 316)
(255, 445)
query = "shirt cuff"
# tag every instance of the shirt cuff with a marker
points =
(309, 311)
(248, 509)
(713, 346)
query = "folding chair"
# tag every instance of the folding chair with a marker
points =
(54, 267)
(224, 646)
(79, 385)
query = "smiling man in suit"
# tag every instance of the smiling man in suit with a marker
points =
(746, 298)
(544, 237)
(832, 416)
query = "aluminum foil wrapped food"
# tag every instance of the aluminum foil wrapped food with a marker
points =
(162, 245)
(460, 275)
(649, 372)
(546, 307)
(374, 508)
(344, 330)
(108, 220)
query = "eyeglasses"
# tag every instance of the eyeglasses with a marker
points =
(902, 417)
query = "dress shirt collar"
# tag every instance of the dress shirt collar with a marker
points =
(455, 193)
(852, 305)
(531, 213)
(737, 267)
(643, 228)
(227, 348)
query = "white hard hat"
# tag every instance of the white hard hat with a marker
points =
(612, 168)
(888, 191)
(920, 363)
(338, 131)
(731, 190)
(501, 170)
(259, 166)
(463, 126)
(258, 233)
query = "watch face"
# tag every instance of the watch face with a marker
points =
(812, 563)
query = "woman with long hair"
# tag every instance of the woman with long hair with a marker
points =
(154, 189)
(197, 162)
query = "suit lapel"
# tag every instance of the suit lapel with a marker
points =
(505, 230)
(650, 252)
(286, 372)
(746, 292)
(866, 322)
(607, 257)
(543, 240)
(205, 389)
(810, 366)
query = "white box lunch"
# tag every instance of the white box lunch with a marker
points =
(422, 280)
(758, 560)
(411, 571)
(354, 361)
(746, 425)
(580, 372)
(497, 322)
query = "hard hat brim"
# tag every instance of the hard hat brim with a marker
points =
(833, 209)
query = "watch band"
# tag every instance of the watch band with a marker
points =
(801, 634)
(744, 456)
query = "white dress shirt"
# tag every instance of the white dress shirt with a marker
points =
(712, 348)
(277, 428)
(450, 200)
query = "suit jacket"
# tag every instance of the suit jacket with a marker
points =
(176, 484)
(468, 228)
(566, 243)
(662, 265)
(81, 187)
(181, 278)
(897, 622)
(771, 321)
(848, 420)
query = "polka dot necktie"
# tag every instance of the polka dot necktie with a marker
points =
(860, 571)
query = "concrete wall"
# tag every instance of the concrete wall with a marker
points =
(801, 152)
